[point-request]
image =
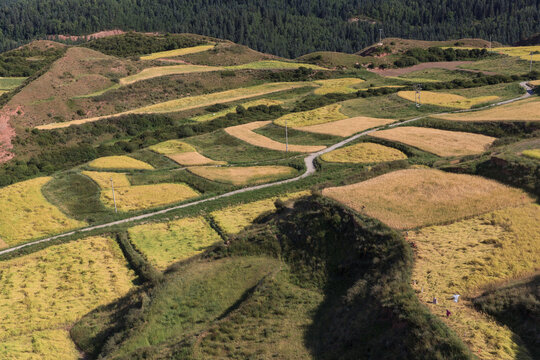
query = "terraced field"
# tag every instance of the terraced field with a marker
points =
(245, 133)
(244, 175)
(439, 142)
(469, 255)
(26, 214)
(183, 153)
(218, 114)
(364, 153)
(347, 127)
(317, 116)
(120, 162)
(45, 293)
(523, 110)
(168, 242)
(447, 100)
(337, 86)
(153, 72)
(273, 65)
(178, 52)
(412, 198)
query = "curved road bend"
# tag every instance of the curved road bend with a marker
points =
(310, 170)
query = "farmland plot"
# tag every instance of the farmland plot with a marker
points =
(523, 110)
(243, 175)
(364, 153)
(178, 52)
(120, 162)
(182, 153)
(212, 116)
(446, 100)
(317, 116)
(347, 127)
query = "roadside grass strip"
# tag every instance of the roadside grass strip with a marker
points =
(446, 100)
(139, 197)
(533, 154)
(245, 133)
(235, 218)
(232, 109)
(339, 86)
(438, 142)
(166, 243)
(177, 52)
(120, 162)
(182, 153)
(244, 175)
(317, 116)
(412, 198)
(43, 294)
(468, 256)
(523, 110)
(27, 215)
(364, 153)
(347, 127)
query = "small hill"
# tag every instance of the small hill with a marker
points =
(227, 53)
(331, 59)
(42, 45)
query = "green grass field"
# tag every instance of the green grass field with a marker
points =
(10, 83)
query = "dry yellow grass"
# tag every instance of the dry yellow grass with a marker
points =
(44, 293)
(208, 117)
(412, 198)
(245, 133)
(119, 162)
(364, 153)
(439, 142)
(177, 52)
(340, 86)
(463, 258)
(235, 218)
(347, 127)
(138, 197)
(243, 175)
(317, 116)
(182, 153)
(26, 214)
(166, 243)
(446, 100)
(523, 110)
(158, 71)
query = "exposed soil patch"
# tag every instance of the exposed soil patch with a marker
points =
(7, 133)
(448, 65)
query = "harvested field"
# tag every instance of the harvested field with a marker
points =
(347, 127)
(523, 110)
(119, 162)
(465, 257)
(412, 198)
(27, 215)
(533, 154)
(244, 175)
(273, 65)
(153, 72)
(182, 153)
(212, 116)
(317, 116)
(235, 218)
(166, 243)
(438, 142)
(45, 293)
(446, 100)
(178, 52)
(364, 153)
(192, 102)
(140, 197)
(245, 133)
(339, 86)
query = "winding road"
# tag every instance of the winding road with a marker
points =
(310, 170)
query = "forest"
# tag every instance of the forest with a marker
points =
(287, 28)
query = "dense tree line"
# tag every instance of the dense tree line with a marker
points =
(288, 28)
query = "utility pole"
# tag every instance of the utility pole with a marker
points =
(380, 37)
(530, 66)
(114, 197)
(417, 89)
(286, 137)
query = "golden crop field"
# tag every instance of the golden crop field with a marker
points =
(412, 198)
(347, 127)
(171, 147)
(119, 162)
(415, 79)
(533, 154)
(320, 115)
(183, 153)
(235, 218)
(465, 257)
(245, 133)
(140, 197)
(438, 142)
(534, 82)
(340, 86)
(522, 52)
(178, 52)
(44, 293)
(212, 116)
(243, 175)
(158, 71)
(364, 153)
(273, 65)
(27, 215)
(166, 243)
(446, 100)
(523, 110)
